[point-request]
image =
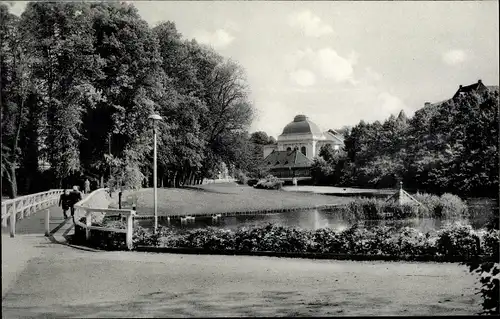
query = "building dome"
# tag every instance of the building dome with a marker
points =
(301, 125)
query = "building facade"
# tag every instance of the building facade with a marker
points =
(305, 136)
(290, 159)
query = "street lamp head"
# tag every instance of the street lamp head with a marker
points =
(155, 117)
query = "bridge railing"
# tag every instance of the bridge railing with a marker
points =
(24, 206)
(91, 207)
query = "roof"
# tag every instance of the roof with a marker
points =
(479, 86)
(301, 125)
(335, 136)
(468, 88)
(286, 159)
(401, 197)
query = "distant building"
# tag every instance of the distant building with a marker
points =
(305, 136)
(478, 88)
(287, 165)
(301, 140)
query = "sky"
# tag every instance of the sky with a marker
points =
(339, 62)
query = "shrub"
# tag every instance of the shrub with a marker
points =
(241, 178)
(269, 182)
(252, 182)
(325, 240)
(452, 206)
(144, 237)
(458, 240)
(431, 203)
(490, 243)
(374, 208)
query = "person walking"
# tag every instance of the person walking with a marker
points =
(75, 196)
(87, 186)
(64, 203)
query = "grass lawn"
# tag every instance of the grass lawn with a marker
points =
(226, 197)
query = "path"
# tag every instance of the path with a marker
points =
(35, 223)
(65, 282)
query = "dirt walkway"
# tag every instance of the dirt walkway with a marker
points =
(64, 282)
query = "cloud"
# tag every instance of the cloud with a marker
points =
(454, 57)
(333, 66)
(391, 104)
(218, 39)
(303, 77)
(326, 61)
(310, 24)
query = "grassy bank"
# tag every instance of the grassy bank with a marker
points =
(220, 198)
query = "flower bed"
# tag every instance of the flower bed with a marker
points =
(455, 242)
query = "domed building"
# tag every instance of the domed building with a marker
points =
(296, 147)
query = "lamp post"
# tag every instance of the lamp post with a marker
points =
(155, 118)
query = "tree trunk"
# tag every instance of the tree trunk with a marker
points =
(13, 182)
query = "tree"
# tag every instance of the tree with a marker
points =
(131, 82)
(16, 88)
(60, 41)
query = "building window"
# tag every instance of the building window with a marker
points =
(303, 150)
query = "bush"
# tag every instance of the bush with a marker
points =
(241, 178)
(252, 182)
(144, 237)
(452, 206)
(458, 240)
(269, 182)
(447, 206)
(374, 209)
(454, 240)
(490, 243)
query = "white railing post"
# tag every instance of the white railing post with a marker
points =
(13, 214)
(130, 230)
(88, 223)
(47, 222)
(22, 203)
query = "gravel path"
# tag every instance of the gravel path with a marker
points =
(64, 282)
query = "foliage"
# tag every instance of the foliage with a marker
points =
(252, 182)
(452, 241)
(451, 147)
(489, 273)
(241, 178)
(269, 182)
(457, 240)
(447, 206)
(79, 81)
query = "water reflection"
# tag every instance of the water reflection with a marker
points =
(315, 219)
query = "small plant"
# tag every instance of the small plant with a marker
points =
(241, 178)
(269, 182)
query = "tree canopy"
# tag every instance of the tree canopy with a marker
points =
(79, 81)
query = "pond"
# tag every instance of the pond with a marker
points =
(313, 219)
